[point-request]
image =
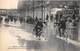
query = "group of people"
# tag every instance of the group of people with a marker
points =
(64, 22)
(12, 19)
(1, 20)
(38, 29)
(40, 24)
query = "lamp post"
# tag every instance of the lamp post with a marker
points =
(33, 9)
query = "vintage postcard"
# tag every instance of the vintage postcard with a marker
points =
(39, 25)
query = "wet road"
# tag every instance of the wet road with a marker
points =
(21, 39)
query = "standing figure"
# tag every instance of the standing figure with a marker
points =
(62, 27)
(6, 20)
(15, 19)
(38, 28)
(36, 19)
(1, 20)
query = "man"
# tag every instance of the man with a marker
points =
(38, 28)
(62, 27)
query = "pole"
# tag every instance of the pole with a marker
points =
(33, 9)
(42, 10)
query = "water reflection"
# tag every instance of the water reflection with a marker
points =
(34, 45)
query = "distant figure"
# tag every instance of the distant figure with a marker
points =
(21, 20)
(56, 17)
(1, 20)
(73, 16)
(47, 17)
(11, 19)
(36, 20)
(6, 20)
(15, 19)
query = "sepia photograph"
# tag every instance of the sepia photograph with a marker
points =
(39, 25)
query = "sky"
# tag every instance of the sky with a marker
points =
(8, 4)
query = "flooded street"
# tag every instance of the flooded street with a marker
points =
(19, 39)
(40, 25)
